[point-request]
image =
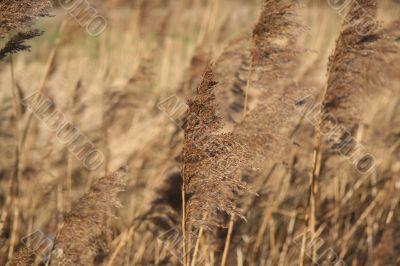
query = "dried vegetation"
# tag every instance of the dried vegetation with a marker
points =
(246, 173)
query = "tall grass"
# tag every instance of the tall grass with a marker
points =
(247, 180)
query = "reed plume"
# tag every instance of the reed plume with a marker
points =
(273, 49)
(231, 71)
(23, 257)
(81, 237)
(273, 54)
(17, 43)
(352, 70)
(212, 161)
(16, 17)
(390, 44)
(264, 59)
(354, 65)
(275, 33)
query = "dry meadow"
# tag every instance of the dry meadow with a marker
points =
(203, 132)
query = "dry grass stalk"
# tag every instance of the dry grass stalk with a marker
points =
(351, 77)
(81, 237)
(228, 240)
(15, 18)
(272, 56)
(16, 44)
(15, 182)
(212, 161)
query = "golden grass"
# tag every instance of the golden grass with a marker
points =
(247, 180)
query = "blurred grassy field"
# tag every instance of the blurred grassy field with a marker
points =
(145, 56)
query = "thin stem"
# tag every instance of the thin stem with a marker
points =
(14, 232)
(103, 59)
(302, 251)
(69, 182)
(260, 234)
(313, 197)
(184, 218)
(313, 178)
(17, 164)
(196, 247)
(250, 74)
(189, 242)
(125, 237)
(228, 240)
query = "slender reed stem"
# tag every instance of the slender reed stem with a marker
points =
(196, 247)
(313, 196)
(303, 250)
(17, 165)
(14, 229)
(183, 190)
(260, 234)
(69, 182)
(313, 178)
(125, 237)
(189, 241)
(228, 240)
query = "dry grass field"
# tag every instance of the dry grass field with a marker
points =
(204, 132)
